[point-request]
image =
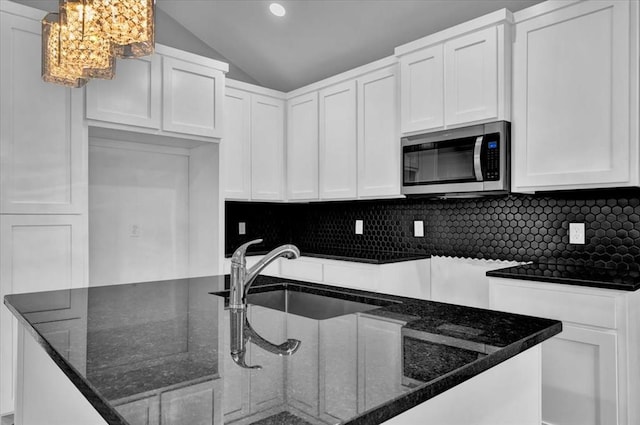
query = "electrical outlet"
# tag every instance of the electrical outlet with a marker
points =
(242, 228)
(418, 229)
(359, 227)
(576, 233)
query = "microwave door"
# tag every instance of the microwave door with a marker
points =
(451, 161)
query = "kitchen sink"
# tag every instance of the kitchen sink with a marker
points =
(313, 306)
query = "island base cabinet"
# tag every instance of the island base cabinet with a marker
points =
(506, 394)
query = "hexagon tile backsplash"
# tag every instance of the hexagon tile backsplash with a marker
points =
(515, 227)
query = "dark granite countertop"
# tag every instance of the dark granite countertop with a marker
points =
(146, 340)
(355, 255)
(624, 280)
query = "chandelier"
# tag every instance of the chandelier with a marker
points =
(84, 39)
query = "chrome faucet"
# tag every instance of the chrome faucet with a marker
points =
(241, 278)
(242, 332)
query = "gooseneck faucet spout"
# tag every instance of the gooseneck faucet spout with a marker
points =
(241, 278)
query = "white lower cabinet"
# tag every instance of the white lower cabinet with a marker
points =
(590, 370)
(405, 278)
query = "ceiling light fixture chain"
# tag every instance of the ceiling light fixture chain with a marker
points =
(83, 40)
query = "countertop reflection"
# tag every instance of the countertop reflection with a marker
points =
(159, 352)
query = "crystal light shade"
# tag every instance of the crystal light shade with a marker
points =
(52, 70)
(84, 39)
(128, 23)
(82, 44)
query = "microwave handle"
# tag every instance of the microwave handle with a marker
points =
(477, 166)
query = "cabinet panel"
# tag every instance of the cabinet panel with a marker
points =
(236, 145)
(378, 136)
(422, 89)
(189, 405)
(37, 253)
(267, 148)
(471, 83)
(192, 96)
(266, 385)
(579, 378)
(302, 147)
(132, 97)
(571, 98)
(302, 367)
(338, 368)
(141, 412)
(41, 134)
(380, 360)
(338, 153)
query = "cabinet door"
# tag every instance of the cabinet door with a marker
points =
(422, 90)
(41, 131)
(379, 361)
(338, 368)
(579, 377)
(338, 149)
(471, 67)
(194, 405)
(302, 366)
(378, 136)
(267, 384)
(236, 145)
(571, 97)
(132, 97)
(267, 148)
(141, 412)
(37, 253)
(302, 147)
(192, 97)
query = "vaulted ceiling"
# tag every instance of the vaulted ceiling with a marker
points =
(314, 40)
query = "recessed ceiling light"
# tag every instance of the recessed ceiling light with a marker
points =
(277, 9)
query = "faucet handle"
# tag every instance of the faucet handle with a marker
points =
(239, 254)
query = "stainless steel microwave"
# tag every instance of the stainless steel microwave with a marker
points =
(471, 160)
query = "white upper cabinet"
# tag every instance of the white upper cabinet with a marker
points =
(302, 147)
(132, 98)
(191, 96)
(41, 132)
(575, 99)
(170, 92)
(471, 83)
(338, 151)
(236, 145)
(422, 76)
(378, 134)
(267, 148)
(458, 76)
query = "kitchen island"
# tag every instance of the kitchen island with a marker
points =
(158, 353)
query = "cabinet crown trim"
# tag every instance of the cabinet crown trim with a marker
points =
(493, 18)
(163, 50)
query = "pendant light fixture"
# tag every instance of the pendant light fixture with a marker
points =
(83, 40)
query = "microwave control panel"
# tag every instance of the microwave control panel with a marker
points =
(492, 158)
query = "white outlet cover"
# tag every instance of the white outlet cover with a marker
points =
(242, 228)
(418, 229)
(359, 226)
(576, 233)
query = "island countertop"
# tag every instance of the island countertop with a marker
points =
(126, 345)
